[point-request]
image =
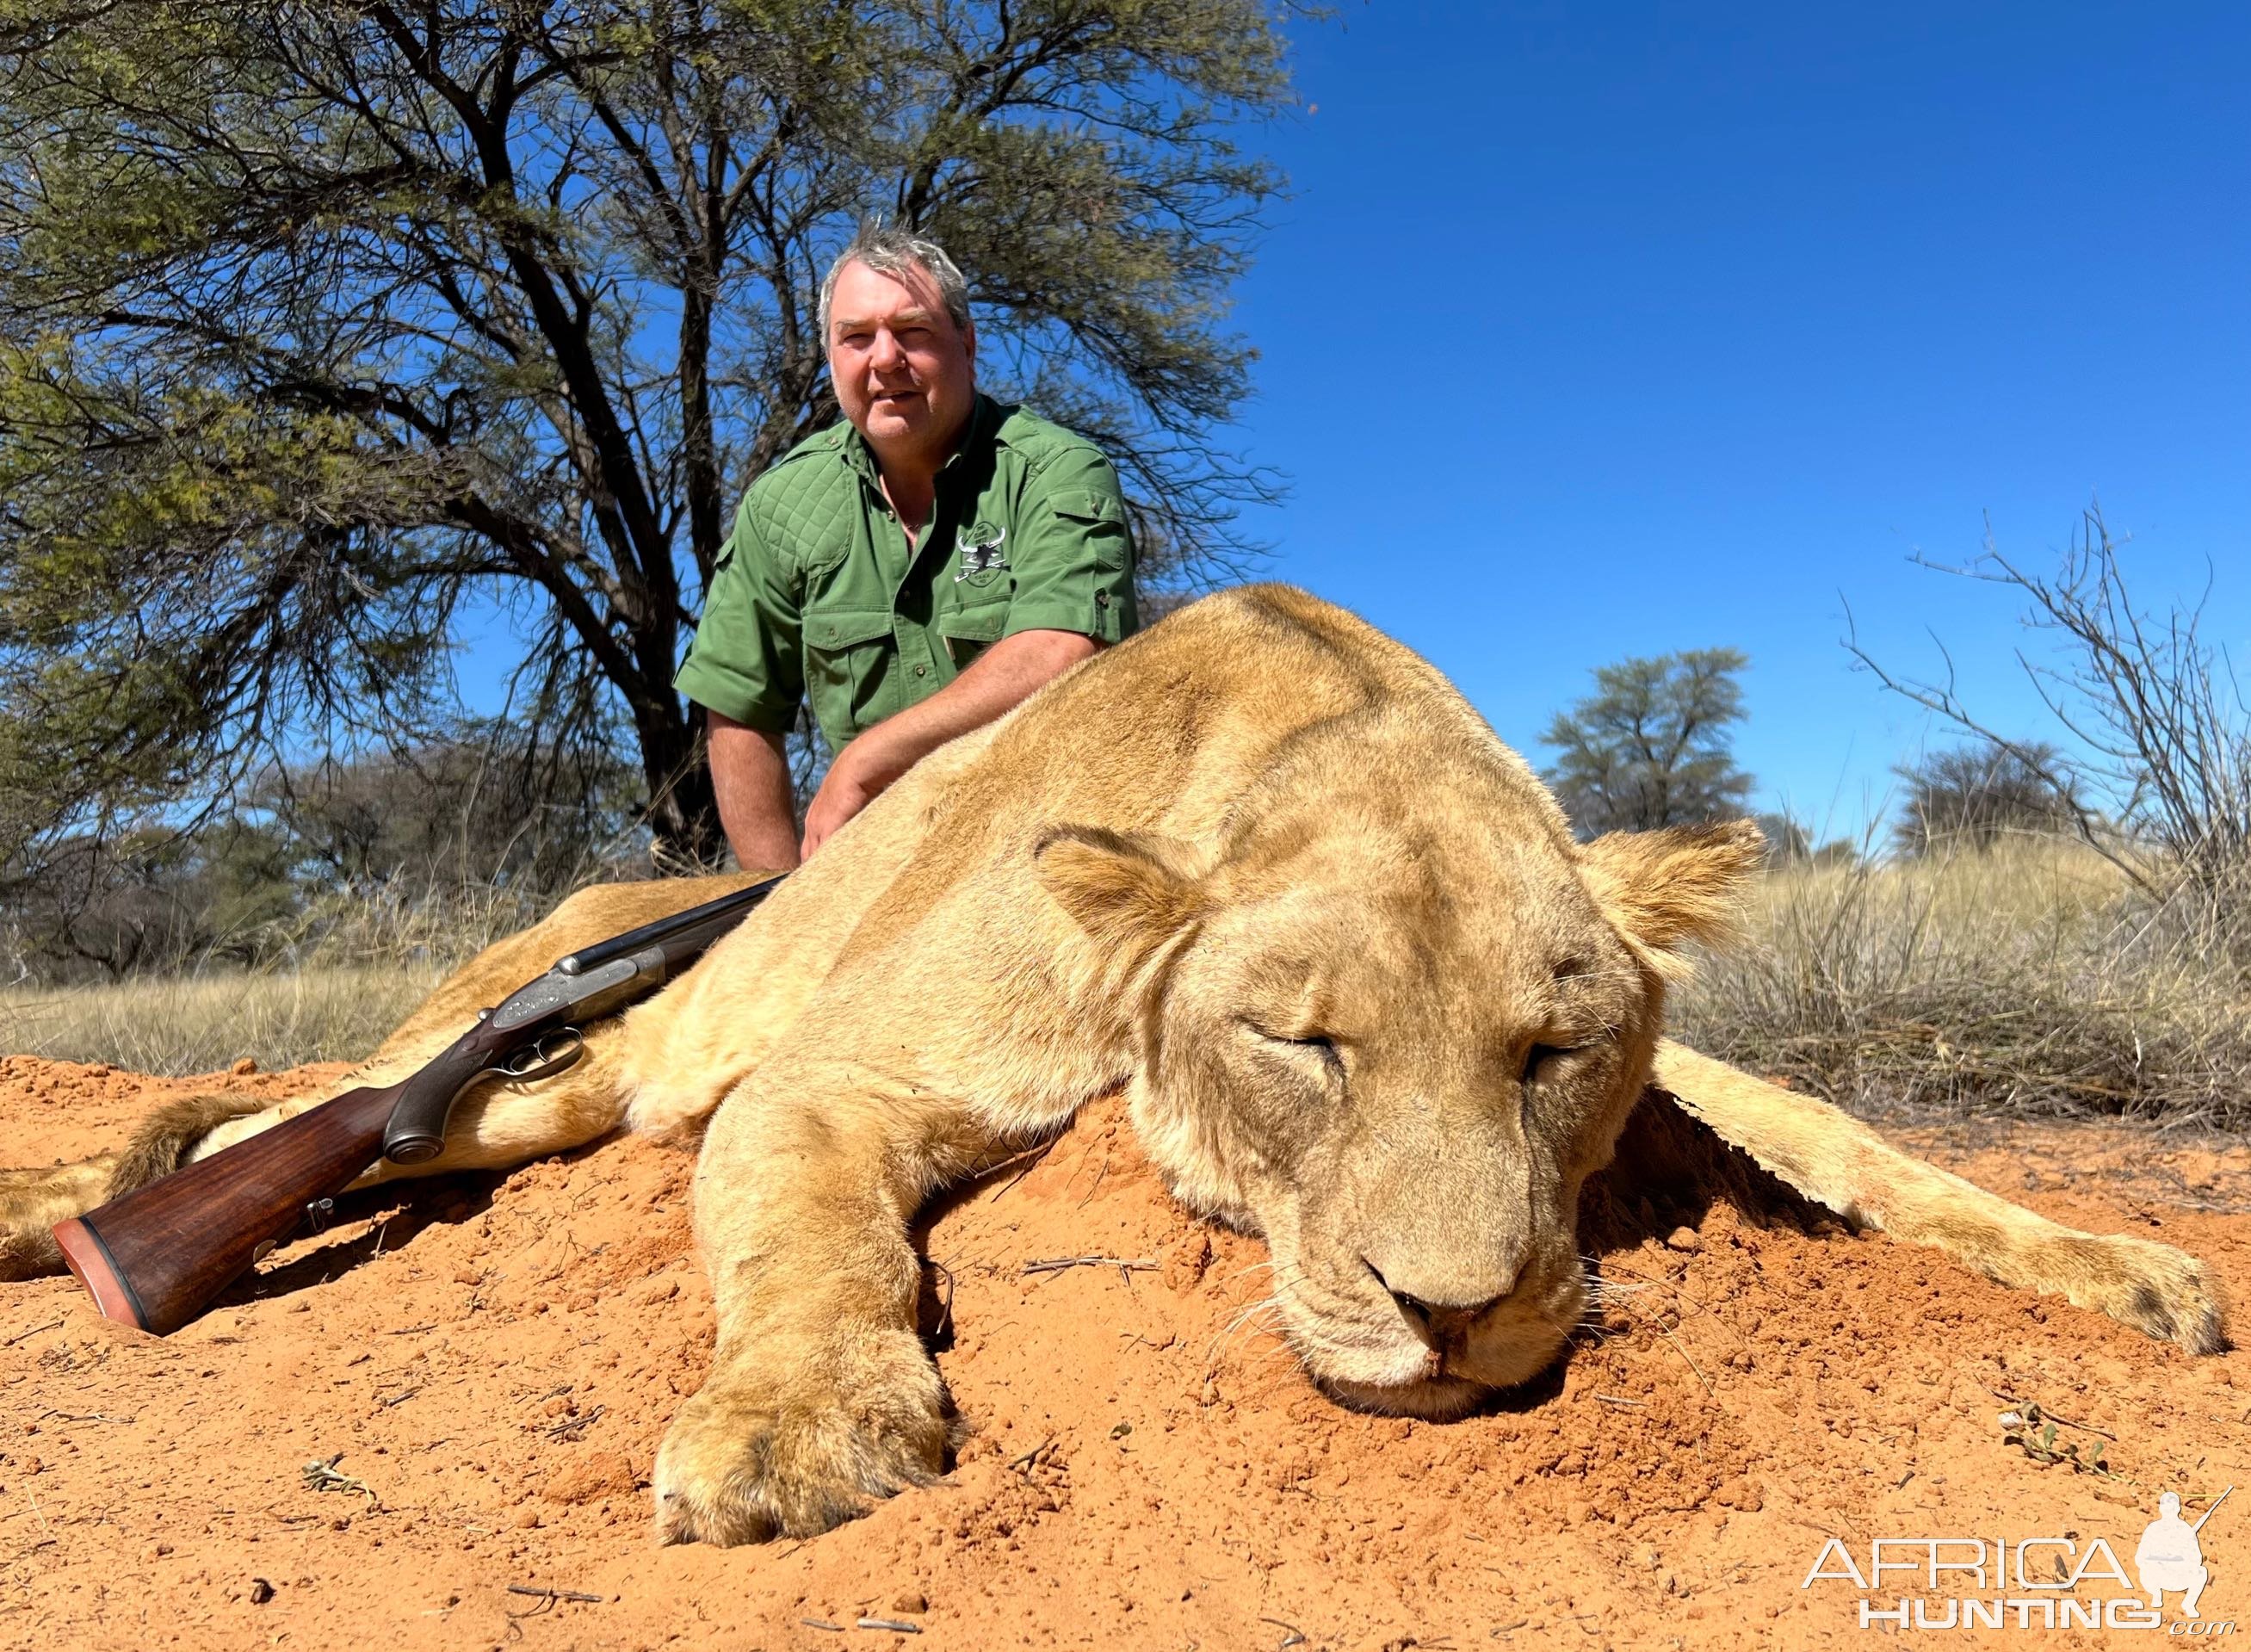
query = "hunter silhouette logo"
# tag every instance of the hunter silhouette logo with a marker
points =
(2059, 1582)
(2169, 1556)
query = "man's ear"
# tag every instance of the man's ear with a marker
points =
(1131, 892)
(1662, 889)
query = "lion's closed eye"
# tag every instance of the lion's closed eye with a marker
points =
(1316, 1046)
(1544, 1062)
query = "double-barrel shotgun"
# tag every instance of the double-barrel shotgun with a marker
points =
(156, 1256)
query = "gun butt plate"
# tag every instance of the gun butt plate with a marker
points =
(82, 1247)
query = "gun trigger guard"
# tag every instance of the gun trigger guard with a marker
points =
(549, 1054)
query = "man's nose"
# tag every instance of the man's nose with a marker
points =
(887, 356)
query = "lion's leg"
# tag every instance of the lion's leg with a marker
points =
(1835, 1160)
(821, 1397)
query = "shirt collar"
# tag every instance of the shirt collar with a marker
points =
(984, 423)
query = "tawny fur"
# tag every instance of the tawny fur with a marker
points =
(1261, 870)
(165, 1139)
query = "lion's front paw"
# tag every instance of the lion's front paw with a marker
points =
(794, 1449)
(2164, 1293)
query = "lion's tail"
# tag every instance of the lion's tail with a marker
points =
(32, 1201)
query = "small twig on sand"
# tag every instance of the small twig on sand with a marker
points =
(823, 1623)
(401, 1398)
(1619, 1399)
(42, 1513)
(1035, 1154)
(944, 1326)
(320, 1475)
(1126, 1266)
(2048, 1416)
(1294, 1635)
(1030, 1457)
(897, 1626)
(412, 1330)
(34, 1331)
(81, 1416)
(550, 1596)
(571, 1425)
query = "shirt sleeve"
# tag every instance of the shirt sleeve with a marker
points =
(1073, 558)
(745, 663)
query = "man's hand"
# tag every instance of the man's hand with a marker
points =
(1001, 678)
(844, 791)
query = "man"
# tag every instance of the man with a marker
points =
(917, 571)
(2168, 1557)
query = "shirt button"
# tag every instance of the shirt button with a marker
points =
(1102, 599)
(922, 670)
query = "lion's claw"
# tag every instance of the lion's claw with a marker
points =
(749, 1459)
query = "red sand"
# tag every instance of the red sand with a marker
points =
(495, 1361)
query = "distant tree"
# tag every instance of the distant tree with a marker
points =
(448, 817)
(87, 907)
(328, 329)
(1653, 744)
(1972, 796)
(1787, 842)
(466, 810)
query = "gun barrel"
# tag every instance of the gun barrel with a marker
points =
(689, 931)
(155, 1257)
(2214, 1509)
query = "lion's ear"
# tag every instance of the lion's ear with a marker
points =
(1128, 890)
(1664, 888)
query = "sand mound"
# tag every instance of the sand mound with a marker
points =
(408, 1427)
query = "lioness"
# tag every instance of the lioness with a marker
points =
(1363, 991)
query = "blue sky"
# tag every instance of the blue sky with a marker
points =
(1596, 331)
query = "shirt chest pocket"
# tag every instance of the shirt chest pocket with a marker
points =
(968, 630)
(847, 651)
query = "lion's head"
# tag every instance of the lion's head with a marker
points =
(1392, 1016)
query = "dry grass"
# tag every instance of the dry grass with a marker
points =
(2031, 980)
(325, 1012)
(352, 969)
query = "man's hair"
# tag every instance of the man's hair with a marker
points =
(887, 249)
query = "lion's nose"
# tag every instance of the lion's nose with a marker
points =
(1439, 1323)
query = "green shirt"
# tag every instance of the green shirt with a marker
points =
(816, 592)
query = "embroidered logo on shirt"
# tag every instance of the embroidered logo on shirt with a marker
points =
(981, 559)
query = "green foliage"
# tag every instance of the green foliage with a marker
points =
(1653, 746)
(330, 325)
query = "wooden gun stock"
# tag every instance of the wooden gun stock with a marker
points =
(155, 1257)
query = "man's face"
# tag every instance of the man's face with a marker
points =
(905, 373)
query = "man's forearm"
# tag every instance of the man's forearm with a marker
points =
(750, 774)
(998, 680)
(1003, 677)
